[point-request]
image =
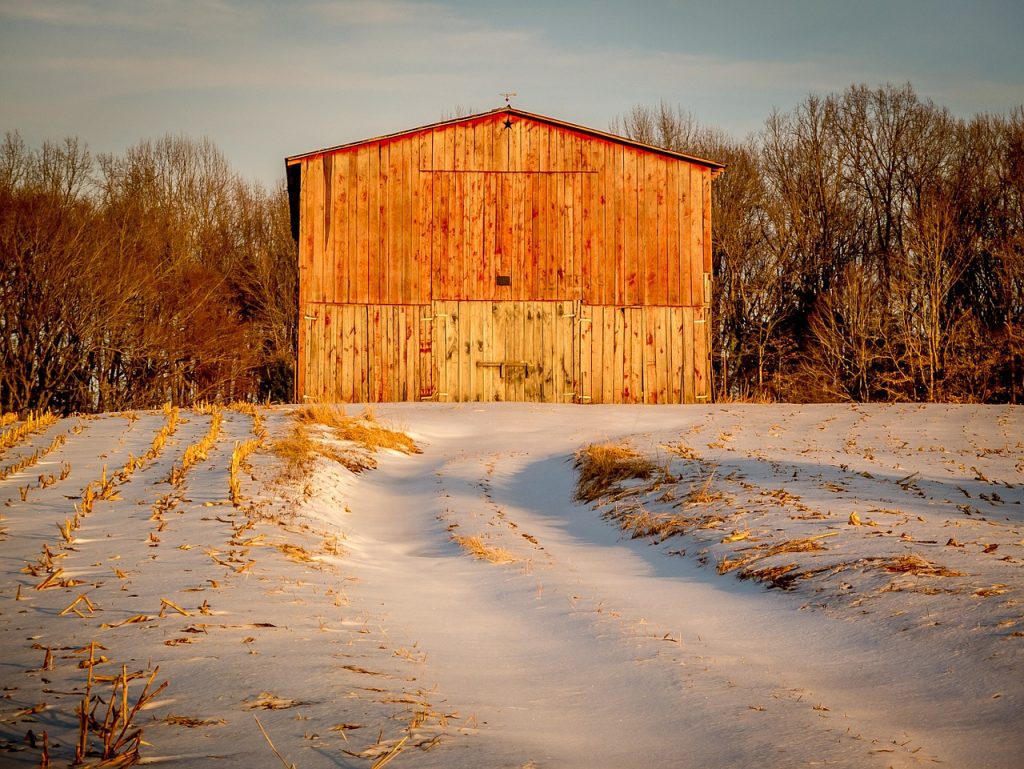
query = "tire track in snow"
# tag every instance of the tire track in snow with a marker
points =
(554, 651)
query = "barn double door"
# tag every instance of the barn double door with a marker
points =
(563, 352)
(505, 351)
(555, 352)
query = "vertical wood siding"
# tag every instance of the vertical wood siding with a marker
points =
(367, 353)
(605, 247)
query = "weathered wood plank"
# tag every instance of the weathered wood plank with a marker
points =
(687, 336)
(631, 257)
(647, 230)
(673, 255)
(443, 193)
(696, 250)
(482, 280)
(346, 362)
(516, 207)
(464, 358)
(360, 286)
(528, 282)
(662, 331)
(496, 349)
(701, 388)
(403, 176)
(561, 257)
(389, 225)
(591, 278)
(618, 355)
(378, 224)
(448, 325)
(675, 344)
(608, 351)
(427, 360)
(634, 352)
(580, 202)
(663, 291)
(570, 351)
(584, 333)
(706, 209)
(315, 182)
(461, 267)
(338, 206)
(618, 239)
(422, 220)
(470, 343)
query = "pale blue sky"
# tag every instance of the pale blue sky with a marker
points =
(267, 79)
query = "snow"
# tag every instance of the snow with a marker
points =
(587, 647)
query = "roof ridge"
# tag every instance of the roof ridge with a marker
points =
(509, 109)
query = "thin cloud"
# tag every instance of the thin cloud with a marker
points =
(131, 15)
(380, 12)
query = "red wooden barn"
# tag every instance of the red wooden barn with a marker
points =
(503, 256)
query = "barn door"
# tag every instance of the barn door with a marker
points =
(505, 351)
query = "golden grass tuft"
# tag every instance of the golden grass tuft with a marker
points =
(753, 553)
(782, 576)
(911, 563)
(300, 447)
(363, 430)
(702, 494)
(603, 467)
(297, 450)
(639, 522)
(477, 548)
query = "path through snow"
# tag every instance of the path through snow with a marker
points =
(594, 650)
(587, 647)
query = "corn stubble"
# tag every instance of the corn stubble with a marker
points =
(115, 737)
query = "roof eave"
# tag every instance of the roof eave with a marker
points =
(715, 166)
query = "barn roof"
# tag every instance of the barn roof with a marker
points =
(506, 110)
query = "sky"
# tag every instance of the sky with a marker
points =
(265, 79)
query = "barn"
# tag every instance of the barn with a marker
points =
(502, 256)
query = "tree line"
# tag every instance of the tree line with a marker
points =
(868, 246)
(131, 280)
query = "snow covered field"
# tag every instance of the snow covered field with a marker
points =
(792, 586)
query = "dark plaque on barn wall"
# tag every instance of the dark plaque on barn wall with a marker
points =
(408, 243)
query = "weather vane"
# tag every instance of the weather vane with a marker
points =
(508, 96)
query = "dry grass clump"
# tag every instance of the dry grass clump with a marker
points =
(702, 494)
(777, 576)
(363, 430)
(477, 548)
(639, 522)
(782, 576)
(603, 467)
(300, 448)
(911, 563)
